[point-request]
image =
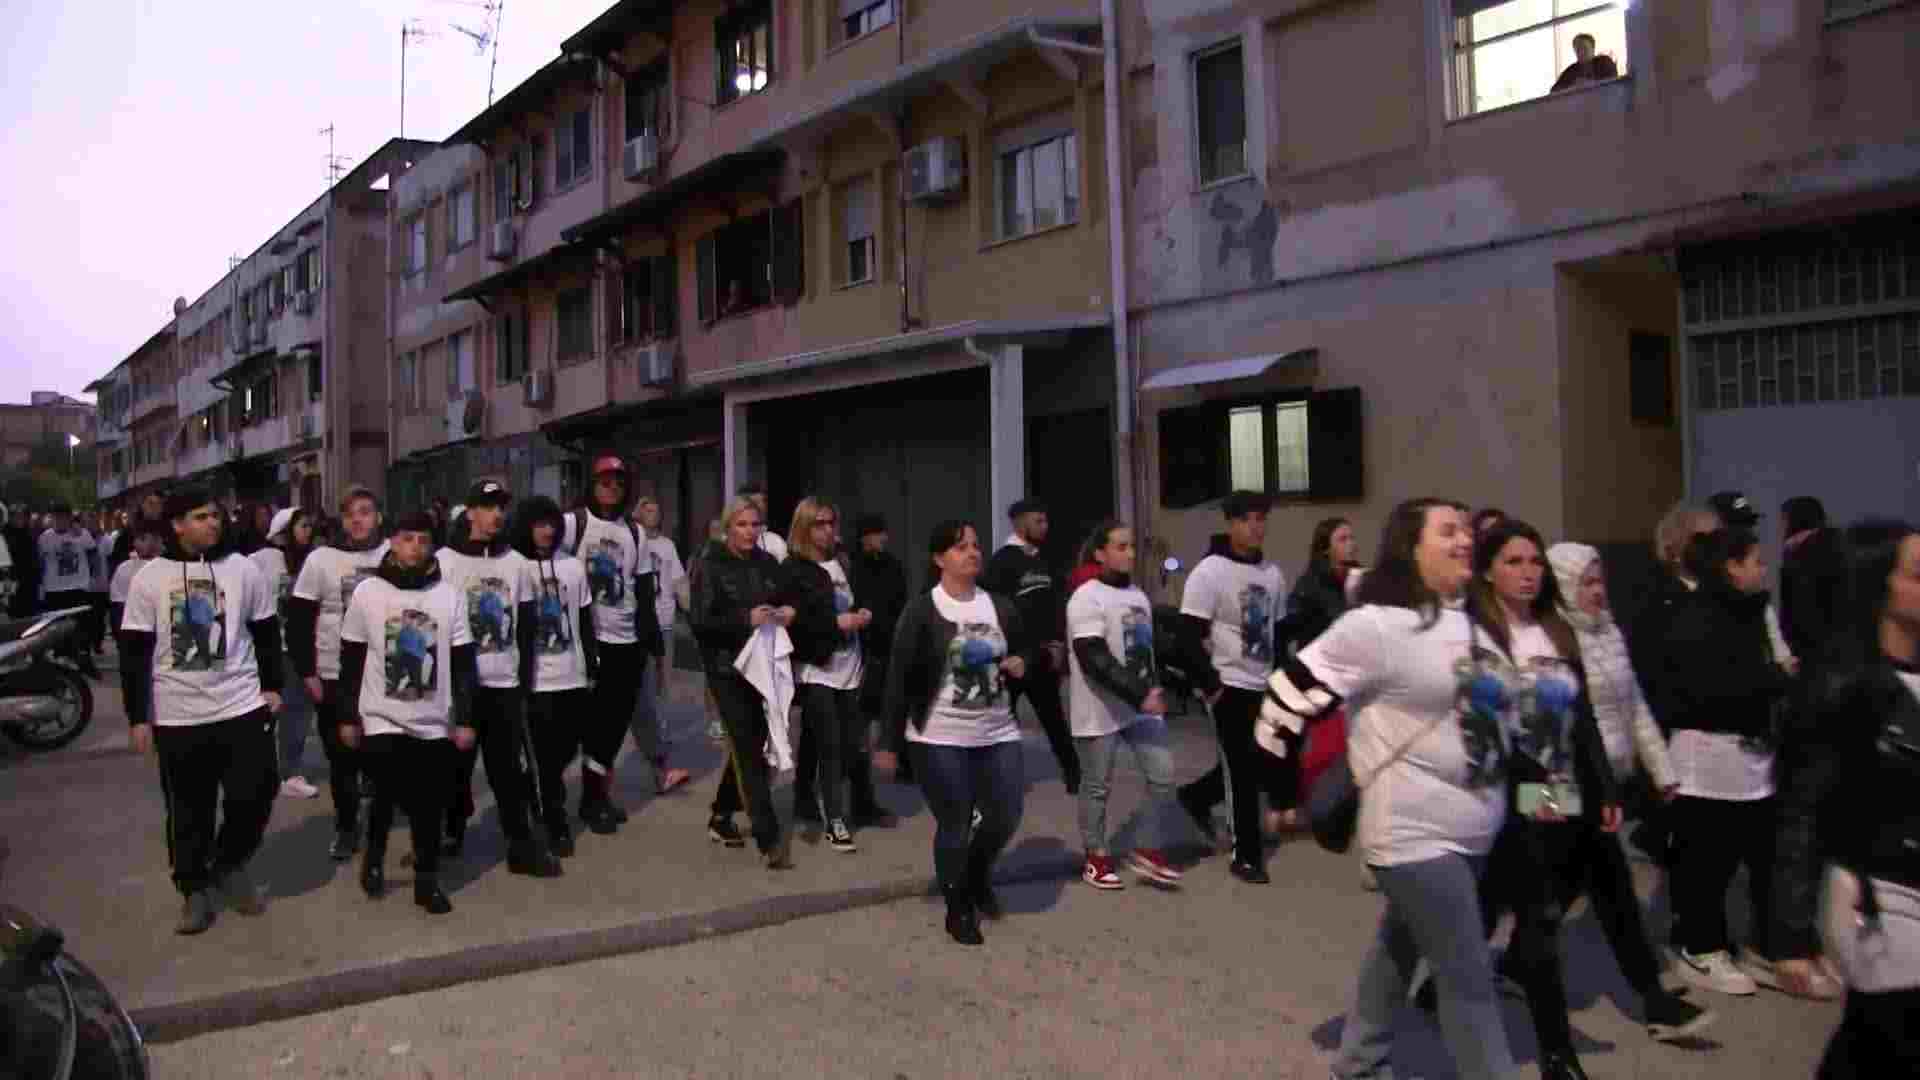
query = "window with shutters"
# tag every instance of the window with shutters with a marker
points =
(744, 44)
(857, 211)
(461, 223)
(573, 150)
(861, 17)
(1038, 182)
(1505, 52)
(1292, 445)
(1220, 113)
(510, 347)
(646, 301)
(751, 263)
(573, 318)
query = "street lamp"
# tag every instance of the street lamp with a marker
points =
(72, 441)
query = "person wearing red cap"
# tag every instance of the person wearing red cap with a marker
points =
(621, 577)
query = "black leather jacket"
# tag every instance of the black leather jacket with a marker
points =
(1851, 795)
(724, 594)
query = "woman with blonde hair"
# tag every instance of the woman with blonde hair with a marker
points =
(829, 658)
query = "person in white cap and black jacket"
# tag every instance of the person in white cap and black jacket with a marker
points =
(409, 714)
(200, 654)
(613, 549)
(321, 591)
(497, 585)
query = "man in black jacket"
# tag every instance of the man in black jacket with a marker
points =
(1812, 578)
(24, 549)
(1020, 573)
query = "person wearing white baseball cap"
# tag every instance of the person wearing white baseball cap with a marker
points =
(289, 542)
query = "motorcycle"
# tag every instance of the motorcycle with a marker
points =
(45, 702)
(57, 1020)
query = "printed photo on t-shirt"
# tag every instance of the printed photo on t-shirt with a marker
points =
(66, 559)
(198, 625)
(413, 641)
(1136, 632)
(1485, 688)
(490, 614)
(973, 663)
(1256, 623)
(604, 564)
(1548, 688)
(554, 634)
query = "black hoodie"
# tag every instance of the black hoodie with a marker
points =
(464, 661)
(136, 646)
(526, 612)
(1715, 669)
(532, 511)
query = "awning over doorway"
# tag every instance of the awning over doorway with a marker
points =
(1245, 367)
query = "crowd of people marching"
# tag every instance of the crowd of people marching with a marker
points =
(1475, 689)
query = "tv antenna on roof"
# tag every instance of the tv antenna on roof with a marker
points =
(336, 163)
(487, 38)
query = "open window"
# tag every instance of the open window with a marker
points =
(645, 312)
(858, 208)
(573, 149)
(1220, 112)
(752, 262)
(1292, 445)
(646, 103)
(744, 44)
(510, 347)
(1509, 51)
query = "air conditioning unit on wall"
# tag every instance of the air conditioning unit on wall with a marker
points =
(936, 170)
(538, 388)
(655, 363)
(500, 242)
(642, 156)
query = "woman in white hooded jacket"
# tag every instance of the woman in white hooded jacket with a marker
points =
(1627, 726)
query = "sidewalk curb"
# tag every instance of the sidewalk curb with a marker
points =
(325, 993)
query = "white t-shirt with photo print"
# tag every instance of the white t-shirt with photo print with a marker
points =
(493, 587)
(410, 635)
(1123, 619)
(204, 668)
(66, 561)
(611, 559)
(972, 707)
(1244, 603)
(560, 593)
(328, 579)
(843, 670)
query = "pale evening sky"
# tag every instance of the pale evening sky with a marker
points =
(148, 140)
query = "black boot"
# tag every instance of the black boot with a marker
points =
(373, 880)
(1561, 1066)
(456, 837)
(980, 886)
(963, 925)
(596, 810)
(560, 838)
(427, 894)
(530, 857)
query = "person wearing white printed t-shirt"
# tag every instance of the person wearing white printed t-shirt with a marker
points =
(947, 700)
(200, 655)
(565, 655)
(661, 560)
(497, 585)
(1115, 699)
(147, 545)
(408, 712)
(829, 660)
(1231, 605)
(314, 614)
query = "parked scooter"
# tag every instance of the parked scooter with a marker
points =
(45, 702)
(57, 1021)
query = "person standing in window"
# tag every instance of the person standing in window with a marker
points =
(1586, 67)
(735, 595)
(1116, 699)
(1229, 611)
(321, 592)
(947, 702)
(1022, 574)
(829, 657)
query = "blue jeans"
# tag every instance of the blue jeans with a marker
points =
(958, 780)
(295, 719)
(1433, 910)
(1148, 738)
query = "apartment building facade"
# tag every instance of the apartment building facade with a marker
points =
(279, 370)
(46, 420)
(850, 250)
(1578, 291)
(113, 409)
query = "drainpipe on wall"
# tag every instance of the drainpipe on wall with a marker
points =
(1123, 390)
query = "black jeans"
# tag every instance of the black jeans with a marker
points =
(201, 765)
(500, 727)
(1875, 1028)
(417, 775)
(343, 761)
(1254, 772)
(1043, 689)
(1712, 838)
(957, 781)
(616, 690)
(1536, 871)
(557, 722)
(832, 721)
(743, 713)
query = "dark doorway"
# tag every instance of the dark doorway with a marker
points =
(1070, 468)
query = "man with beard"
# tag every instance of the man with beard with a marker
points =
(1020, 572)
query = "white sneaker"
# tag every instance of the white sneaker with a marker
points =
(297, 787)
(1713, 971)
(1761, 970)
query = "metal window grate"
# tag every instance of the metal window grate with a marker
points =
(1785, 279)
(1841, 360)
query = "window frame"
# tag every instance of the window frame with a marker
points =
(573, 146)
(843, 24)
(729, 29)
(647, 87)
(645, 284)
(782, 261)
(849, 243)
(1459, 67)
(512, 354)
(417, 245)
(1026, 141)
(462, 191)
(573, 330)
(1198, 437)
(1200, 155)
